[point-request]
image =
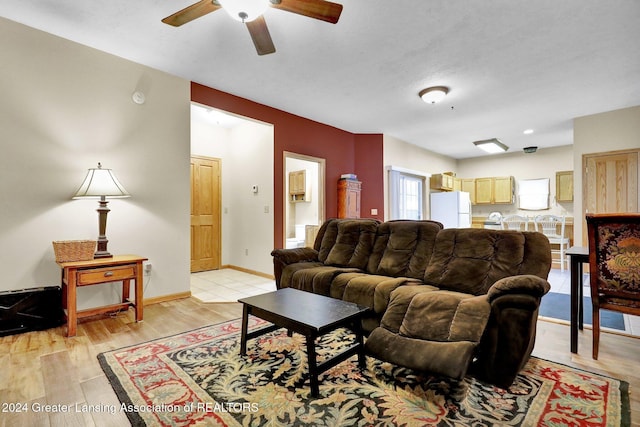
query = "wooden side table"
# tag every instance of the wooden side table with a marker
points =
(94, 272)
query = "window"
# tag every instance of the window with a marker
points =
(406, 195)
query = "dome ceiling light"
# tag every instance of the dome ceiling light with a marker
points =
(434, 94)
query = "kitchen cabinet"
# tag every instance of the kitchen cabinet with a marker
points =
(484, 191)
(564, 186)
(298, 186)
(469, 185)
(442, 182)
(349, 198)
(494, 190)
(503, 189)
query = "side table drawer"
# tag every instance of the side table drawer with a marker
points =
(102, 275)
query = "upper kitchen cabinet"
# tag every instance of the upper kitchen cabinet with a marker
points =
(494, 190)
(564, 186)
(442, 182)
(469, 185)
(298, 191)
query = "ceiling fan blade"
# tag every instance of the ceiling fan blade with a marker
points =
(260, 36)
(316, 9)
(192, 12)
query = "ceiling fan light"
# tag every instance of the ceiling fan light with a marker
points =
(244, 10)
(434, 94)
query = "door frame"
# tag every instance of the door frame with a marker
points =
(321, 187)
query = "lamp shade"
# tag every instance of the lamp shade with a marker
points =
(100, 182)
(244, 10)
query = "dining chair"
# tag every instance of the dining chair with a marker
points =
(515, 222)
(548, 225)
(614, 265)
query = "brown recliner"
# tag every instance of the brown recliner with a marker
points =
(483, 314)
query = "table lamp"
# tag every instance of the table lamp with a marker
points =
(101, 183)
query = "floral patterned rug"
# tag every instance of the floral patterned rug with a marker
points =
(198, 378)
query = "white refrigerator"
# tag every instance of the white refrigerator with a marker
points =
(452, 209)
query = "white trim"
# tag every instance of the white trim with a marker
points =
(409, 171)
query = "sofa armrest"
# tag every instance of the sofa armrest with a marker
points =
(291, 256)
(526, 284)
(510, 334)
(285, 257)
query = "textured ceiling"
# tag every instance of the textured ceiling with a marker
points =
(510, 64)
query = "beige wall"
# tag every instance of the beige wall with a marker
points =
(610, 131)
(407, 156)
(544, 163)
(64, 108)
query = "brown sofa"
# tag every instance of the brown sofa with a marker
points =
(445, 301)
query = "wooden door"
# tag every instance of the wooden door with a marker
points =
(205, 214)
(609, 183)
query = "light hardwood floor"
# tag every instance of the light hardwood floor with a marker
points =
(46, 368)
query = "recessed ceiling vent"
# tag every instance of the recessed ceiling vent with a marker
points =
(531, 149)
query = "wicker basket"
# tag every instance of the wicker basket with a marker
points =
(74, 250)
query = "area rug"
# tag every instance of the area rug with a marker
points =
(198, 378)
(558, 306)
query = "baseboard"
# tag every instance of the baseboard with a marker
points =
(246, 270)
(165, 298)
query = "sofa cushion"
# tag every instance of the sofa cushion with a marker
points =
(403, 248)
(370, 290)
(317, 279)
(472, 260)
(286, 278)
(353, 243)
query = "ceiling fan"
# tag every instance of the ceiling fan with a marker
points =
(250, 13)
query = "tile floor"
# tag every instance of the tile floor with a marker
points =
(227, 285)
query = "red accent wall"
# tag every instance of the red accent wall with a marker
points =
(344, 152)
(370, 171)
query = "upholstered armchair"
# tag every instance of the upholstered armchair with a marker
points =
(614, 265)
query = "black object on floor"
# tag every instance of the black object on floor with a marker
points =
(558, 306)
(32, 309)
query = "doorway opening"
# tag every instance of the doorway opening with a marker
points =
(304, 198)
(244, 148)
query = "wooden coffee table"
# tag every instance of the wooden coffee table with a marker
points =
(310, 315)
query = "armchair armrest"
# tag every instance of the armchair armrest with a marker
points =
(526, 284)
(284, 257)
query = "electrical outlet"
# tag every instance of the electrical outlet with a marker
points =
(147, 267)
(246, 251)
